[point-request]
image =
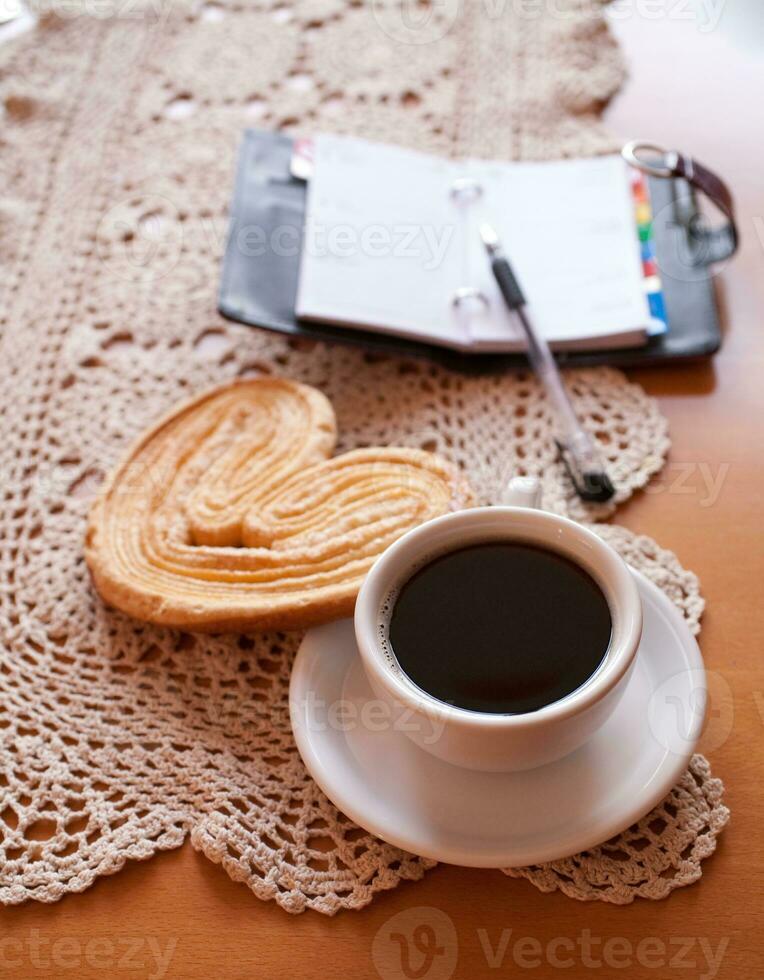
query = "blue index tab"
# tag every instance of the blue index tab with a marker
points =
(648, 250)
(657, 306)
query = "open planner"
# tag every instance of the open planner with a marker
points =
(391, 245)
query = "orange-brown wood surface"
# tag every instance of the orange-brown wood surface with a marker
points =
(179, 916)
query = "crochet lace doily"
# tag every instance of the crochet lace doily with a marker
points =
(119, 134)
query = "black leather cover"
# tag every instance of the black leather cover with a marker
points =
(261, 265)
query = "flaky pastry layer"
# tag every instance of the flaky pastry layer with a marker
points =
(231, 514)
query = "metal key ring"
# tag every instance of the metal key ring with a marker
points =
(633, 148)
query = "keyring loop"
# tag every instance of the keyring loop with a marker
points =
(633, 148)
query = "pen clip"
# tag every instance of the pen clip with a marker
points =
(591, 485)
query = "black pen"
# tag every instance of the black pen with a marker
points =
(576, 446)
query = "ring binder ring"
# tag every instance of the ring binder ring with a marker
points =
(464, 294)
(464, 190)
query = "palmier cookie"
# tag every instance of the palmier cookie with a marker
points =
(230, 514)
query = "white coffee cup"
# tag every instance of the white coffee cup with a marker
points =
(482, 740)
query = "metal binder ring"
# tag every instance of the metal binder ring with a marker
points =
(464, 190)
(631, 154)
(466, 294)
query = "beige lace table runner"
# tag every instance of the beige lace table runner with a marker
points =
(118, 143)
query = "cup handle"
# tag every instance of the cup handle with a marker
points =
(523, 491)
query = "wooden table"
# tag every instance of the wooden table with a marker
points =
(697, 90)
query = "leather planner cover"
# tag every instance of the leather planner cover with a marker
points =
(259, 281)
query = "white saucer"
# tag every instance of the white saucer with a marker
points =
(386, 784)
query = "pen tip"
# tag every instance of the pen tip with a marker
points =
(490, 238)
(597, 487)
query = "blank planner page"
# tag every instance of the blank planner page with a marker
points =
(569, 232)
(388, 245)
(382, 247)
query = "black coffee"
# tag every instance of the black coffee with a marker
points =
(502, 628)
